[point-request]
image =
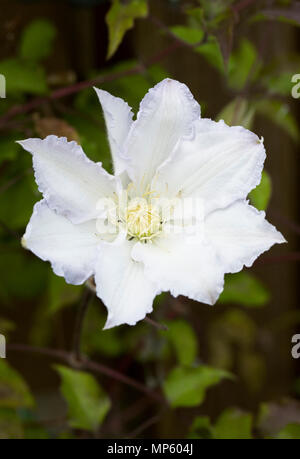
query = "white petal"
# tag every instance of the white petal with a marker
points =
(219, 165)
(118, 118)
(71, 249)
(166, 114)
(71, 183)
(182, 267)
(122, 285)
(240, 233)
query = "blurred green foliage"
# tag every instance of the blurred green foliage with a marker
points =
(289, 432)
(232, 424)
(186, 386)
(120, 18)
(261, 195)
(37, 40)
(88, 404)
(23, 76)
(243, 288)
(183, 340)
(13, 389)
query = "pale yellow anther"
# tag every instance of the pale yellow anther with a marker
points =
(142, 220)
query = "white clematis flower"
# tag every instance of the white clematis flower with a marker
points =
(128, 230)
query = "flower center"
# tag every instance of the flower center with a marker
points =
(142, 219)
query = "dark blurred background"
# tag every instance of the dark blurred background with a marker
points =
(238, 58)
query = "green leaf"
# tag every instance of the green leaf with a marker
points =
(37, 40)
(23, 76)
(14, 392)
(233, 424)
(186, 386)
(211, 51)
(189, 35)
(241, 65)
(87, 402)
(261, 195)
(183, 340)
(243, 288)
(120, 19)
(280, 114)
(290, 432)
(238, 113)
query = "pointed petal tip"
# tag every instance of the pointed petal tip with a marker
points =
(281, 239)
(28, 144)
(23, 242)
(102, 94)
(115, 320)
(98, 90)
(169, 81)
(111, 323)
(213, 300)
(24, 142)
(214, 296)
(107, 326)
(278, 237)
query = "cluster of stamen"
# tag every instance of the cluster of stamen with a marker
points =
(142, 219)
